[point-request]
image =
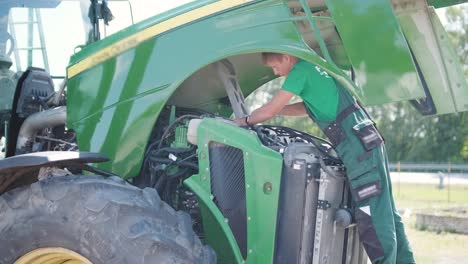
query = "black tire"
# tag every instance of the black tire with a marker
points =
(104, 220)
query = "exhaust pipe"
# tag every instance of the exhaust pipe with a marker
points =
(49, 118)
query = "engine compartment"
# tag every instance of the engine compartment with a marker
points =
(170, 159)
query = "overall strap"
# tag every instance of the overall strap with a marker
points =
(346, 112)
(333, 130)
(347, 105)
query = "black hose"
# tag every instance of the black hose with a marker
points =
(173, 150)
(159, 183)
(172, 126)
(171, 162)
(163, 179)
(304, 136)
(150, 155)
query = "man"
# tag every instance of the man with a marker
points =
(357, 142)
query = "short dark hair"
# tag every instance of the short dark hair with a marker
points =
(266, 56)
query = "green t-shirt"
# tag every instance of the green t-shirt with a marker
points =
(316, 88)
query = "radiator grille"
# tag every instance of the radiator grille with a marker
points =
(228, 189)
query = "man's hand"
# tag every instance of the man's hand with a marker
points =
(269, 110)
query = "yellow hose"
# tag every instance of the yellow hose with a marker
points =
(52, 255)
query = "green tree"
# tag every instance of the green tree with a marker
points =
(401, 128)
(411, 137)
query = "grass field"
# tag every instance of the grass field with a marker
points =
(423, 196)
(432, 247)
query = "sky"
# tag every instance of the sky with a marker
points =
(145, 10)
(64, 30)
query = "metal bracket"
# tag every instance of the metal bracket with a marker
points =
(311, 170)
(228, 76)
(323, 204)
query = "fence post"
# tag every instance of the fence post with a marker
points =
(448, 180)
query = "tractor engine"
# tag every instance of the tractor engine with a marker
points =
(313, 205)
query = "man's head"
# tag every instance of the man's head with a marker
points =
(280, 63)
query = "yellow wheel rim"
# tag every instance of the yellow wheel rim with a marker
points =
(53, 255)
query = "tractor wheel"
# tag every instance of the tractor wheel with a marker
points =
(89, 219)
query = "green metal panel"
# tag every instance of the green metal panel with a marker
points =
(454, 70)
(416, 25)
(217, 231)
(436, 58)
(113, 105)
(263, 167)
(444, 3)
(377, 50)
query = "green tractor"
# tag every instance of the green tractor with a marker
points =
(133, 158)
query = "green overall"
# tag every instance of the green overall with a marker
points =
(361, 148)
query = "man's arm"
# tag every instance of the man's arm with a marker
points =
(269, 110)
(296, 109)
